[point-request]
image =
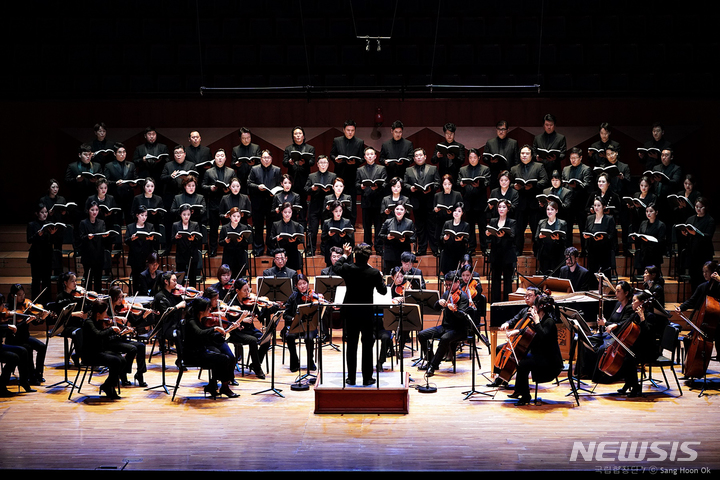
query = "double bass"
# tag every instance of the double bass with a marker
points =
(701, 346)
(614, 355)
(507, 360)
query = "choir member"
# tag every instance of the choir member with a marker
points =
(152, 202)
(504, 191)
(191, 198)
(42, 240)
(550, 240)
(262, 179)
(396, 153)
(530, 179)
(336, 231)
(443, 202)
(347, 155)
(141, 242)
(287, 195)
(236, 237)
(502, 252)
(563, 197)
(245, 156)
(318, 185)
(422, 180)
(577, 177)
(92, 251)
(651, 243)
(298, 158)
(370, 182)
(649, 154)
(397, 234)
(500, 153)
(698, 243)
(215, 184)
(81, 175)
(150, 157)
(198, 154)
(101, 146)
(454, 243)
(337, 195)
(600, 234)
(186, 236)
(387, 206)
(473, 183)
(596, 152)
(288, 234)
(549, 147)
(122, 176)
(449, 154)
(666, 177)
(234, 199)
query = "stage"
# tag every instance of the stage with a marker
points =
(443, 431)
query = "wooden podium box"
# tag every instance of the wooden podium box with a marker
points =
(390, 395)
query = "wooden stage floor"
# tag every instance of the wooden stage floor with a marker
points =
(443, 431)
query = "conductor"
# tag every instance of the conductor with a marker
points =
(361, 280)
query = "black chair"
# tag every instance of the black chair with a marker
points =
(669, 342)
(182, 362)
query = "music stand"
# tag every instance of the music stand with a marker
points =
(402, 318)
(304, 322)
(473, 358)
(58, 328)
(269, 335)
(423, 298)
(277, 289)
(159, 329)
(576, 325)
(327, 286)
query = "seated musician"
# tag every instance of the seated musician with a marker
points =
(335, 254)
(280, 268)
(12, 356)
(543, 358)
(68, 294)
(455, 305)
(22, 336)
(150, 281)
(202, 344)
(123, 316)
(470, 284)
(578, 275)
(169, 298)
(531, 294)
(300, 296)
(97, 333)
(406, 264)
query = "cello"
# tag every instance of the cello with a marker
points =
(701, 346)
(509, 356)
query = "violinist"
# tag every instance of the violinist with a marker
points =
(531, 294)
(140, 244)
(69, 293)
(454, 304)
(407, 259)
(235, 243)
(200, 348)
(223, 316)
(543, 358)
(97, 334)
(121, 315)
(169, 298)
(302, 295)
(224, 285)
(249, 335)
(12, 356)
(335, 254)
(398, 285)
(280, 268)
(470, 284)
(22, 337)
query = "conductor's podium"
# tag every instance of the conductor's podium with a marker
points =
(388, 395)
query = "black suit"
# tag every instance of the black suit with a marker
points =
(361, 281)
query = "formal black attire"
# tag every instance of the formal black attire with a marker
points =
(581, 279)
(342, 146)
(361, 281)
(698, 249)
(400, 150)
(528, 211)
(294, 258)
(291, 310)
(198, 207)
(299, 171)
(244, 157)
(40, 258)
(422, 202)
(261, 202)
(503, 258)
(507, 148)
(316, 206)
(123, 193)
(445, 165)
(219, 177)
(550, 141)
(580, 180)
(601, 253)
(205, 347)
(452, 250)
(393, 249)
(475, 200)
(550, 253)
(543, 358)
(96, 350)
(454, 327)
(370, 201)
(149, 159)
(92, 252)
(235, 252)
(187, 252)
(650, 253)
(328, 241)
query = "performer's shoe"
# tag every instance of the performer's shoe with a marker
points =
(430, 371)
(211, 389)
(524, 400)
(27, 388)
(140, 380)
(350, 381)
(635, 392)
(109, 392)
(514, 395)
(497, 383)
(225, 390)
(369, 382)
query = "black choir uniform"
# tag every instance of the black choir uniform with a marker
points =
(187, 252)
(502, 259)
(202, 157)
(596, 152)
(698, 249)
(393, 249)
(261, 202)
(446, 166)
(294, 259)
(230, 201)
(344, 199)
(218, 177)
(511, 195)
(370, 202)
(354, 147)
(173, 186)
(138, 251)
(40, 258)
(198, 207)
(316, 206)
(400, 155)
(442, 200)
(580, 279)
(149, 159)
(243, 159)
(108, 213)
(422, 202)
(290, 197)
(123, 193)
(550, 141)
(566, 196)
(649, 253)
(453, 250)
(235, 252)
(662, 188)
(601, 253)
(362, 281)
(299, 171)
(328, 241)
(79, 191)
(508, 149)
(580, 180)
(155, 208)
(528, 211)
(637, 212)
(92, 252)
(648, 162)
(475, 200)
(103, 152)
(550, 252)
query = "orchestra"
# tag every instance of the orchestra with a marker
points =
(462, 200)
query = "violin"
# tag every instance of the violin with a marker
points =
(312, 297)
(89, 295)
(188, 292)
(261, 302)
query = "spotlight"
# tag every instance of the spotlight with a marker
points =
(378, 45)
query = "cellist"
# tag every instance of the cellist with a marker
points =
(531, 293)
(543, 358)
